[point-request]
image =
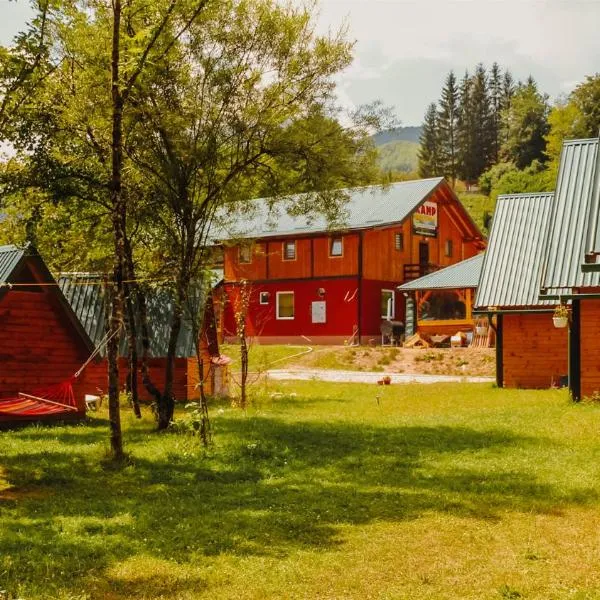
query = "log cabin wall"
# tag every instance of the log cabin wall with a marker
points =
(38, 347)
(535, 352)
(590, 348)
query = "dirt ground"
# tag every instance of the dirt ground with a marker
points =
(439, 361)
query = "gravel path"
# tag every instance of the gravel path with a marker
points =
(370, 377)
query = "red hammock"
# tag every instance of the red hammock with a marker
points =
(58, 400)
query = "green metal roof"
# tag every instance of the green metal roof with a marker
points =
(511, 271)
(10, 257)
(592, 247)
(567, 230)
(369, 206)
(85, 293)
(464, 274)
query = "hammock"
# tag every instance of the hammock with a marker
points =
(55, 401)
(58, 400)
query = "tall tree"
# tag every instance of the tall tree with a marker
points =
(495, 94)
(430, 164)
(481, 116)
(465, 130)
(448, 125)
(526, 125)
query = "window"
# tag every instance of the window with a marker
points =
(449, 248)
(285, 305)
(399, 241)
(245, 254)
(289, 250)
(387, 304)
(264, 298)
(442, 306)
(336, 246)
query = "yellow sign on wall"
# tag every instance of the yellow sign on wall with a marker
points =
(425, 219)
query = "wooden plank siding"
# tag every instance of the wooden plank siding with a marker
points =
(535, 352)
(37, 345)
(590, 347)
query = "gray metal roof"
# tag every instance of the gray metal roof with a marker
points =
(9, 259)
(85, 293)
(366, 207)
(566, 240)
(464, 274)
(593, 232)
(510, 276)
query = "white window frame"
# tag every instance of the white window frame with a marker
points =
(390, 314)
(283, 254)
(277, 317)
(399, 237)
(332, 240)
(264, 297)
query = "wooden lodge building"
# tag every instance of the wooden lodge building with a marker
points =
(530, 351)
(309, 283)
(571, 273)
(42, 342)
(441, 303)
(85, 294)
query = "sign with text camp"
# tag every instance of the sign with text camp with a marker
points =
(425, 219)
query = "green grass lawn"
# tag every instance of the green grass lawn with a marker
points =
(316, 491)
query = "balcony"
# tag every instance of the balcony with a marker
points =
(414, 271)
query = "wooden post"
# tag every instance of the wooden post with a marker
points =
(499, 350)
(575, 351)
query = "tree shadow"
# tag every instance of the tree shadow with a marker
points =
(279, 486)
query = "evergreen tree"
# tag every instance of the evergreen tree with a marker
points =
(429, 152)
(447, 126)
(464, 129)
(495, 94)
(508, 90)
(482, 136)
(526, 123)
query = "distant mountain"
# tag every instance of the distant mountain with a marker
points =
(398, 155)
(404, 134)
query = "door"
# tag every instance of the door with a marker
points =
(423, 257)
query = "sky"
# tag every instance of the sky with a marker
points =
(405, 48)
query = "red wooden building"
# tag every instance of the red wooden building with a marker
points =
(309, 283)
(42, 343)
(530, 351)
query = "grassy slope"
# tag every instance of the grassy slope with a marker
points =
(477, 205)
(317, 491)
(399, 155)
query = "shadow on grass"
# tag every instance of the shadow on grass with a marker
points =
(279, 486)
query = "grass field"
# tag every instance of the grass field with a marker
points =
(316, 491)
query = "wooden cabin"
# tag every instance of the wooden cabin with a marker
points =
(530, 351)
(441, 303)
(85, 293)
(42, 342)
(571, 273)
(308, 283)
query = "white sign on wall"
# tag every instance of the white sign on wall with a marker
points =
(318, 311)
(425, 219)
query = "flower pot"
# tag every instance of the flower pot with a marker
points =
(560, 322)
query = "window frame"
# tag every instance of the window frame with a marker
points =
(449, 248)
(277, 296)
(399, 236)
(249, 249)
(261, 295)
(332, 241)
(284, 248)
(393, 297)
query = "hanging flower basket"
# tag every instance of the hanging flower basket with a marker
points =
(560, 318)
(560, 322)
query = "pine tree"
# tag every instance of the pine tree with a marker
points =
(429, 152)
(481, 122)
(495, 94)
(447, 126)
(464, 129)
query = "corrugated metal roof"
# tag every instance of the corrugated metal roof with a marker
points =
(88, 303)
(510, 276)
(464, 274)
(366, 207)
(567, 229)
(593, 231)
(9, 259)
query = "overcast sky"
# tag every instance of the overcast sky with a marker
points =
(404, 48)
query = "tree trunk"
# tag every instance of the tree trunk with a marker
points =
(118, 218)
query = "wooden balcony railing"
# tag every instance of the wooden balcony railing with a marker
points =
(414, 271)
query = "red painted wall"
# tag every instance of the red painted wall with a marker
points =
(590, 347)
(371, 306)
(341, 309)
(37, 347)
